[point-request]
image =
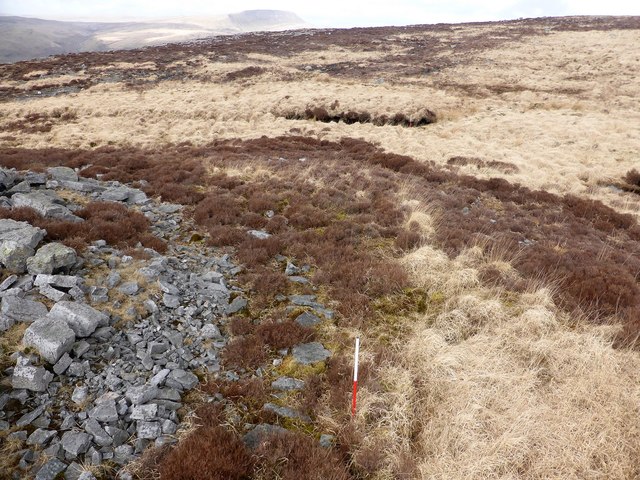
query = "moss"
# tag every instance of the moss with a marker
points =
(291, 368)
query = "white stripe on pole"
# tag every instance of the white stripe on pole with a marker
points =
(355, 377)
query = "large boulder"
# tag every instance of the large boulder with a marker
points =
(50, 337)
(50, 258)
(47, 203)
(15, 309)
(18, 241)
(7, 179)
(80, 317)
(63, 173)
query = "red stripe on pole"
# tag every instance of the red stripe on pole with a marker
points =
(353, 398)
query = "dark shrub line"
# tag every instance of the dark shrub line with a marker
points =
(350, 117)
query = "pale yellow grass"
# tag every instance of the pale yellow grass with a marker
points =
(483, 387)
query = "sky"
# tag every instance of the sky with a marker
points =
(325, 13)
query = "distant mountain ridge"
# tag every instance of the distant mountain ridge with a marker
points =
(29, 38)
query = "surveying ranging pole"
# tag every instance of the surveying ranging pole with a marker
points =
(355, 377)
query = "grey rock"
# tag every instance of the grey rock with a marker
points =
(20, 435)
(7, 178)
(122, 454)
(80, 395)
(7, 282)
(50, 470)
(20, 232)
(260, 434)
(144, 412)
(298, 279)
(142, 394)
(309, 353)
(156, 348)
(259, 234)
(286, 412)
(60, 281)
(62, 364)
(287, 384)
(327, 441)
(22, 310)
(238, 304)
(100, 436)
(149, 430)
(4, 425)
(105, 412)
(74, 470)
(50, 337)
(129, 288)
(53, 294)
(51, 257)
(118, 435)
(87, 476)
(159, 378)
(28, 418)
(54, 451)
(166, 287)
(81, 318)
(80, 348)
(47, 203)
(170, 301)
(210, 331)
(98, 294)
(181, 379)
(36, 379)
(113, 279)
(291, 269)
(169, 427)
(75, 443)
(63, 173)
(307, 319)
(40, 437)
(22, 187)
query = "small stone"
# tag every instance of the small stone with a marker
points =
(105, 412)
(50, 258)
(159, 378)
(310, 353)
(170, 301)
(149, 430)
(238, 304)
(286, 412)
(53, 293)
(20, 435)
(62, 364)
(100, 436)
(36, 379)
(287, 384)
(86, 475)
(80, 395)
(50, 470)
(260, 434)
(142, 394)
(129, 288)
(144, 412)
(291, 269)
(169, 427)
(181, 379)
(28, 418)
(22, 310)
(76, 443)
(307, 319)
(7, 282)
(210, 331)
(259, 234)
(166, 287)
(113, 279)
(122, 454)
(327, 441)
(40, 437)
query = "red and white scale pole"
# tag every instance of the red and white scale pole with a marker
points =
(355, 377)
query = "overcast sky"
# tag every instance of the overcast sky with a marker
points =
(337, 13)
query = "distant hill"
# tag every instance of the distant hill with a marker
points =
(28, 38)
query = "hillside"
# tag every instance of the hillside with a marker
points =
(223, 217)
(28, 38)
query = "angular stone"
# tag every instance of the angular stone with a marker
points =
(181, 379)
(116, 194)
(32, 378)
(286, 412)
(14, 255)
(51, 257)
(238, 304)
(309, 353)
(58, 281)
(260, 434)
(100, 436)
(166, 287)
(53, 293)
(141, 394)
(20, 232)
(144, 412)
(80, 395)
(29, 417)
(158, 379)
(50, 337)
(259, 234)
(210, 331)
(287, 384)
(129, 288)
(105, 412)
(81, 318)
(63, 173)
(149, 430)
(76, 443)
(51, 470)
(170, 301)
(40, 437)
(7, 282)
(22, 310)
(7, 178)
(62, 364)
(122, 454)
(86, 475)
(327, 441)
(47, 203)
(307, 319)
